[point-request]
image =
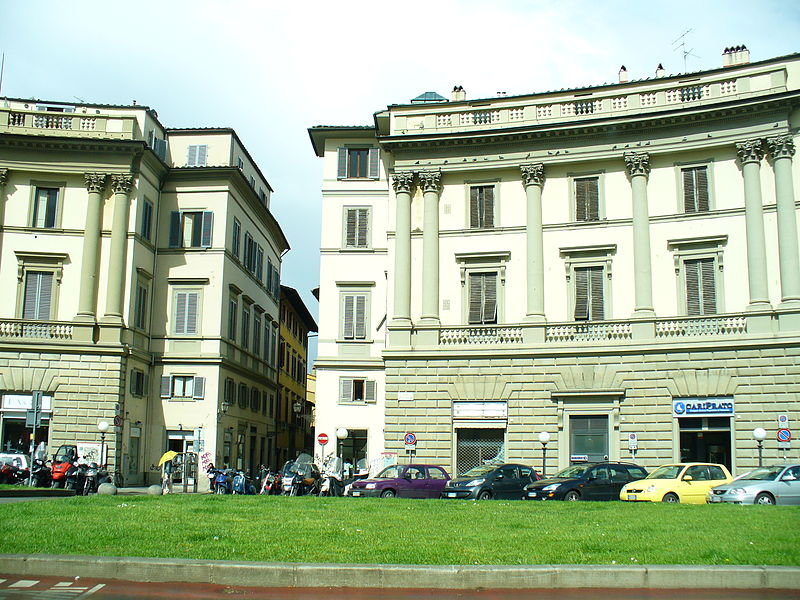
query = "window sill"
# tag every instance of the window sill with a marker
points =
(341, 341)
(355, 403)
(180, 399)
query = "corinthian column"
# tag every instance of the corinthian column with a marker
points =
(533, 180)
(402, 184)
(431, 182)
(781, 148)
(750, 154)
(638, 166)
(121, 184)
(87, 298)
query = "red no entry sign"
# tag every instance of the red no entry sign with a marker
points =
(322, 438)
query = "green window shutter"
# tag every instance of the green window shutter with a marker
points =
(349, 308)
(208, 229)
(474, 209)
(351, 217)
(362, 229)
(489, 298)
(341, 171)
(708, 286)
(597, 309)
(175, 229)
(581, 294)
(237, 232)
(361, 317)
(166, 386)
(691, 269)
(374, 163)
(345, 389)
(488, 206)
(199, 388)
(369, 395)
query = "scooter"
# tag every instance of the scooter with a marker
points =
(332, 475)
(62, 462)
(223, 482)
(242, 484)
(270, 482)
(41, 475)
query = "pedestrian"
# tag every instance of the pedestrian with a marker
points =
(166, 477)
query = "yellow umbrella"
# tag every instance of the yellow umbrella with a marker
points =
(168, 455)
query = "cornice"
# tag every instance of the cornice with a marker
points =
(79, 144)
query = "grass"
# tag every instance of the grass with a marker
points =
(347, 530)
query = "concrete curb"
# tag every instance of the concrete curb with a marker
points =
(29, 492)
(303, 575)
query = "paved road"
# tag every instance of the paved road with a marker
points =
(53, 588)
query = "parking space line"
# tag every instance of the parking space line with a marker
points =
(24, 583)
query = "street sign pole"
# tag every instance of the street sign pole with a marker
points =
(36, 407)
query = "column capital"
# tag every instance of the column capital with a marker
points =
(637, 163)
(532, 174)
(95, 182)
(430, 181)
(750, 150)
(3, 176)
(121, 183)
(781, 146)
(402, 182)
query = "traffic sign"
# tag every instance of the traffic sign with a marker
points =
(783, 421)
(784, 435)
(322, 438)
(117, 421)
(410, 439)
(36, 401)
(633, 441)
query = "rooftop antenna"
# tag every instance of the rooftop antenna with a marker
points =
(680, 43)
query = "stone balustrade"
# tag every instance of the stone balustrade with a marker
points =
(456, 336)
(19, 329)
(722, 325)
(32, 122)
(587, 331)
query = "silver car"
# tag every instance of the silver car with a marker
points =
(778, 484)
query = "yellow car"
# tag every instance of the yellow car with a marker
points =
(681, 482)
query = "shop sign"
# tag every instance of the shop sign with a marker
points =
(707, 407)
(25, 402)
(480, 410)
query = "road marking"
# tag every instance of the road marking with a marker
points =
(24, 583)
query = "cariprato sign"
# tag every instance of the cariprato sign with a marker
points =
(705, 407)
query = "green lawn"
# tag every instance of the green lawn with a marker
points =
(280, 529)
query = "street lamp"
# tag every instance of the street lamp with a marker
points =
(544, 438)
(341, 435)
(102, 427)
(759, 435)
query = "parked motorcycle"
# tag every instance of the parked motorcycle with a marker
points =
(40, 474)
(306, 477)
(65, 456)
(11, 473)
(270, 481)
(332, 477)
(223, 482)
(242, 484)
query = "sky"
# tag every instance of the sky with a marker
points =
(273, 69)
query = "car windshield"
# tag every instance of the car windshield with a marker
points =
(666, 472)
(763, 474)
(479, 470)
(392, 472)
(573, 471)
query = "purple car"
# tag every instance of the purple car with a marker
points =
(404, 481)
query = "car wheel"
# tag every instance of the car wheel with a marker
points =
(572, 496)
(388, 494)
(765, 498)
(671, 497)
(485, 495)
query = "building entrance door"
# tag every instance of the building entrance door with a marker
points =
(706, 439)
(588, 438)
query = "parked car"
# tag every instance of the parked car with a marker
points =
(680, 482)
(586, 481)
(778, 484)
(403, 481)
(491, 481)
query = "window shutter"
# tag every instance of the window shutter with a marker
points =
(708, 286)
(361, 317)
(363, 228)
(146, 385)
(689, 203)
(702, 189)
(374, 163)
(166, 386)
(349, 327)
(45, 296)
(596, 292)
(342, 164)
(180, 312)
(581, 294)
(160, 148)
(346, 389)
(369, 395)
(52, 204)
(132, 387)
(489, 298)
(580, 200)
(259, 263)
(199, 388)
(208, 229)
(29, 308)
(191, 312)
(474, 210)
(237, 229)
(691, 270)
(488, 206)
(475, 298)
(593, 200)
(350, 227)
(202, 155)
(191, 159)
(175, 229)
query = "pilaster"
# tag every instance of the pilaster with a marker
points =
(638, 167)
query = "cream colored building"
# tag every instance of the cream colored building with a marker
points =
(616, 266)
(142, 266)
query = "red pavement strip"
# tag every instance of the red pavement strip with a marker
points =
(55, 588)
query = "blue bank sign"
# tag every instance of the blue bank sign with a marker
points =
(704, 407)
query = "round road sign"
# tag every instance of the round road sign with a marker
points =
(322, 438)
(784, 435)
(410, 439)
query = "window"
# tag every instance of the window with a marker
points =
(589, 287)
(244, 396)
(587, 198)
(139, 383)
(255, 400)
(361, 163)
(701, 294)
(274, 346)
(229, 392)
(237, 232)
(695, 189)
(197, 155)
(481, 207)
(140, 308)
(257, 333)
(147, 219)
(233, 309)
(482, 298)
(239, 162)
(245, 326)
(356, 227)
(354, 316)
(38, 298)
(183, 386)
(45, 207)
(436, 473)
(191, 229)
(187, 305)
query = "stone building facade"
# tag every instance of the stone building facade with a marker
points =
(616, 266)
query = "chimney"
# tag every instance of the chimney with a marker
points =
(459, 94)
(660, 70)
(623, 74)
(735, 55)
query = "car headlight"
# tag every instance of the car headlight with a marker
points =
(737, 491)
(650, 489)
(475, 482)
(370, 486)
(551, 487)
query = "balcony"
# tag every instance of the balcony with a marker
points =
(35, 330)
(33, 122)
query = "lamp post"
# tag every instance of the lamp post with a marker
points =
(544, 438)
(341, 435)
(759, 435)
(102, 427)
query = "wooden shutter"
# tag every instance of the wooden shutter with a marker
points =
(208, 229)
(362, 229)
(345, 389)
(708, 286)
(191, 159)
(191, 312)
(689, 199)
(160, 148)
(475, 298)
(351, 218)
(202, 155)
(132, 387)
(596, 304)
(341, 172)
(374, 163)
(259, 263)
(474, 208)
(166, 386)
(488, 206)
(52, 205)
(30, 307)
(691, 269)
(199, 388)
(237, 230)
(587, 199)
(361, 317)
(269, 275)
(45, 296)
(180, 312)
(369, 394)
(581, 294)
(695, 190)
(489, 298)
(349, 326)
(701, 176)
(175, 229)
